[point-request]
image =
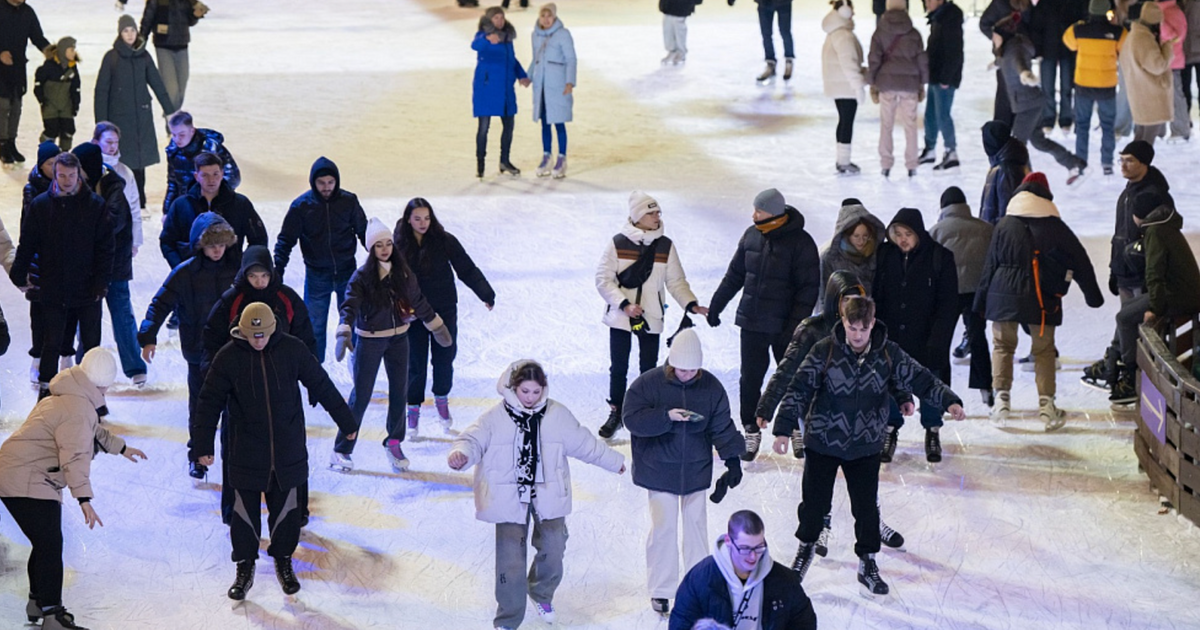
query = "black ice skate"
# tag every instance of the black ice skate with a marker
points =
(849, 168)
(804, 559)
(768, 73)
(949, 161)
(890, 537)
(787, 68)
(933, 446)
(753, 441)
(610, 426)
(1098, 374)
(868, 577)
(507, 167)
(928, 156)
(59, 619)
(962, 353)
(891, 435)
(797, 440)
(243, 581)
(822, 548)
(660, 606)
(1124, 390)
(33, 612)
(286, 575)
(196, 470)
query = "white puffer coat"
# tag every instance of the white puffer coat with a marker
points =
(665, 275)
(842, 58)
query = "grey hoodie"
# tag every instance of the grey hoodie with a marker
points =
(747, 597)
(841, 255)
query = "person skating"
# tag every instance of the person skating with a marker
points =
(998, 11)
(843, 76)
(532, 488)
(741, 570)
(1009, 160)
(1174, 29)
(56, 87)
(211, 192)
(257, 377)
(1031, 239)
(777, 269)
(780, 10)
(857, 357)
(169, 24)
(19, 27)
(856, 238)
(187, 142)
(1097, 43)
(492, 94)
(674, 25)
(945, 74)
(639, 262)
(552, 73)
(436, 257)
(383, 297)
(1145, 64)
(1049, 19)
(107, 136)
(50, 451)
(328, 221)
(676, 415)
(898, 70)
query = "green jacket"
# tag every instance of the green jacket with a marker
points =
(1171, 272)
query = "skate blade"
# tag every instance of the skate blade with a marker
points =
(962, 361)
(821, 551)
(340, 469)
(932, 466)
(866, 593)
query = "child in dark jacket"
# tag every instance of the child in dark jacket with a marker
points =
(1009, 161)
(56, 86)
(382, 299)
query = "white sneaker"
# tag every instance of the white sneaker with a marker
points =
(544, 611)
(1001, 409)
(1051, 415)
(341, 462)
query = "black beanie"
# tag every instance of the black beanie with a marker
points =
(91, 161)
(47, 150)
(851, 201)
(1140, 149)
(953, 195)
(1145, 203)
(995, 134)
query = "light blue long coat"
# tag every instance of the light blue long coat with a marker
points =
(553, 67)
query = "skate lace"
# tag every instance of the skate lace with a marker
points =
(887, 533)
(802, 556)
(870, 570)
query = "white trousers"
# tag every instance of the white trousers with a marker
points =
(675, 34)
(662, 546)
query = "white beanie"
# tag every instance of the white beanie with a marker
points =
(100, 367)
(686, 353)
(377, 231)
(640, 204)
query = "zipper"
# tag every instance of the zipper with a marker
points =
(683, 435)
(270, 420)
(329, 240)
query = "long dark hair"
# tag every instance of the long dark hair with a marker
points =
(390, 292)
(406, 240)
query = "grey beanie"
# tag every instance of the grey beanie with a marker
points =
(1099, 7)
(770, 201)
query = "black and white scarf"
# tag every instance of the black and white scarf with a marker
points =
(528, 456)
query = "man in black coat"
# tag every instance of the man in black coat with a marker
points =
(256, 376)
(19, 27)
(170, 23)
(327, 221)
(40, 178)
(69, 230)
(186, 143)
(210, 193)
(916, 294)
(778, 271)
(740, 568)
(945, 51)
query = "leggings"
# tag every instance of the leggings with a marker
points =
(846, 108)
(506, 135)
(561, 130)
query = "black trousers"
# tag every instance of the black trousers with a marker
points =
(620, 344)
(283, 521)
(756, 350)
(846, 109)
(981, 357)
(37, 328)
(421, 348)
(1001, 108)
(1025, 127)
(862, 483)
(57, 320)
(139, 176)
(506, 136)
(41, 522)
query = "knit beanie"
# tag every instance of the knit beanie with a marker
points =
(1036, 183)
(99, 366)
(376, 232)
(62, 46)
(124, 22)
(1037, 177)
(641, 204)
(995, 134)
(953, 195)
(1151, 14)
(1099, 7)
(257, 321)
(47, 150)
(686, 353)
(1145, 203)
(896, 5)
(91, 160)
(551, 7)
(770, 201)
(1141, 150)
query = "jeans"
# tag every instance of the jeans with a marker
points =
(1004, 339)
(10, 117)
(57, 318)
(318, 285)
(675, 35)
(393, 352)
(784, 12)
(620, 343)
(1025, 128)
(756, 350)
(506, 136)
(1128, 319)
(937, 116)
(124, 326)
(420, 349)
(41, 522)
(512, 583)
(1066, 84)
(283, 521)
(173, 67)
(1107, 109)
(1180, 125)
(862, 484)
(846, 109)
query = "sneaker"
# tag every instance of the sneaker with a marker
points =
(768, 73)
(340, 462)
(949, 161)
(890, 436)
(543, 169)
(1002, 408)
(822, 548)
(797, 440)
(413, 420)
(1108, 170)
(243, 581)
(443, 410)
(610, 426)
(196, 470)
(560, 167)
(753, 441)
(849, 168)
(139, 380)
(544, 611)
(286, 575)
(933, 446)
(928, 156)
(868, 576)
(804, 559)
(1051, 416)
(787, 68)
(33, 372)
(396, 456)
(889, 537)
(660, 606)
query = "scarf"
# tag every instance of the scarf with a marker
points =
(528, 456)
(772, 223)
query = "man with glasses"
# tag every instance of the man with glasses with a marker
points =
(740, 586)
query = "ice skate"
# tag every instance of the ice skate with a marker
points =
(243, 581)
(933, 446)
(660, 606)
(443, 410)
(928, 156)
(20, 159)
(545, 612)
(340, 462)
(669, 59)
(33, 612)
(506, 167)
(396, 456)
(59, 619)
(889, 537)
(1002, 408)
(868, 577)
(797, 440)
(6, 155)
(139, 381)
(1051, 416)
(65, 363)
(1124, 388)
(949, 161)
(1076, 175)
(1098, 374)
(849, 168)
(286, 575)
(560, 167)
(886, 172)
(610, 426)
(890, 437)
(33, 372)
(768, 73)
(787, 68)
(413, 422)
(962, 353)
(753, 441)
(543, 169)
(196, 470)
(1108, 170)
(822, 547)
(843, 164)
(804, 559)
(912, 172)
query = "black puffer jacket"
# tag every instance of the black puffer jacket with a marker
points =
(37, 185)
(180, 19)
(678, 8)
(19, 27)
(72, 238)
(945, 46)
(808, 333)
(191, 290)
(671, 456)
(1126, 274)
(359, 313)
(265, 431)
(849, 396)
(435, 261)
(176, 240)
(778, 274)
(326, 228)
(917, 295)
(181, 168)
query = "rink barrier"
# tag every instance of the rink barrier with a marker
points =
(1167, 438)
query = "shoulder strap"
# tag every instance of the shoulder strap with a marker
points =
(236, 307)
(287, 305)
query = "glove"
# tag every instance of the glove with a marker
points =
(1112, 285)
(733, 476)
(731, 2)
(713, 318)
(345, 342)
(874, 95)
(722, 488)
(442, 336)
(1028, 79)
(920, 94)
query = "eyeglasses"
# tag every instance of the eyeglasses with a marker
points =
(745, 551)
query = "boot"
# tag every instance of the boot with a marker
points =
(507, 167)
(822, 548)
(949, 161)
(610, 426)
(196, 470)
(928, 156)
(1124, 390)
(6, 154)
(543, 169)
(243, 581)
(1001, 409)
(963, 351)
(889, 444)
(1097, 374)
(64, 143)
(395, 455)
(844, 165)
(59, 619)
(767, 72)
(888, 536)
(560, 167)
(753, 441)
(933, 446)
(20, 159)
(804, 558)
(787, 68)
(868, 576)
(287, 575)
(33, 612)
(1051, 415)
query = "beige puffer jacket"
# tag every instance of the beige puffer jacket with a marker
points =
(842, 66)
(1146, 66)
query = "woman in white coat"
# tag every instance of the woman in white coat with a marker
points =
(519, 449)
(844, 76)
(553, 76)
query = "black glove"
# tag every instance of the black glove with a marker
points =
(1112, 285)
(721, 489)
(713, 318)
(734, 475)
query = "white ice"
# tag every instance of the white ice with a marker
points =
(1017, 528)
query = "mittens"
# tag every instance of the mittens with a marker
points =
(441, 334)
(345, 342)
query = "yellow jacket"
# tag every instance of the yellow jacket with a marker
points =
(1097, 43)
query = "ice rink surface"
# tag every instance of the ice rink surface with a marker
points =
(1016, 529)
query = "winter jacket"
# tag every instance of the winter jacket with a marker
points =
(945, 50)
(368, 320)
(916, 293)
(132, 197)
(671, 456)
(112, 189)
(435, 262)
(175, 239)
(1171, 272)
(1007, 289)
(265, 432)
(678, 8)
(705, 594)
(38, 184)
(552, 68)
(8, 251)
(56, 86)
(842, 69)
(170, 22)
(291, 314)
(1146, 66)
(126, 77)
(1191, 43)
(807, 334)
(1098, 43)
(181, 165)
(1174, 26)
(326, 228)
(840, 255)
(492, 444)
(967, 238)
(191, 290)
(849, 396)
(53, 448)
(777, 273)
(496, 70)
(1016, 59)
(1123, 272)
(19, 27)
(667, 274)
(897, 60)
(72, 238)
(1048, 20)
(1009, 166)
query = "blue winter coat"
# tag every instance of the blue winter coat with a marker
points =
(496, 70)
(553, 67)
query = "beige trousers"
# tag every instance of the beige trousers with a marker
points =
(902, 106)
(662, 546)
(1004, 341)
